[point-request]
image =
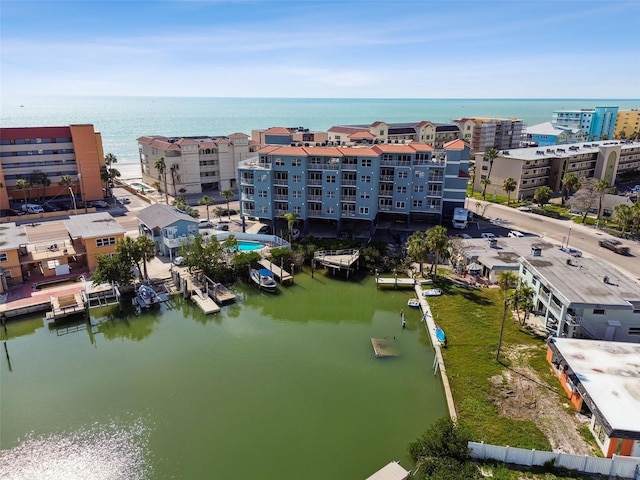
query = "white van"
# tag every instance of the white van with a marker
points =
(32, 208)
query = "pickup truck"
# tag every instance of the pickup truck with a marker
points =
(615, 246)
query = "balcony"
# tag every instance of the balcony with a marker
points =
(323, 166)
(348, 213)
(281, 197)
(314, 198)
(247, 196)
(314, 181)
(386, 178)
(435, 178)
(349, 182)
(348, 198)
(386, 193)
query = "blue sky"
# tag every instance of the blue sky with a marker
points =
(325, 49)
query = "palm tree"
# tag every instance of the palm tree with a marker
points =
(485, 182)
(162, 170)
(438, 244)
(182, 191)
(227, 194)
(417, 248)
(624, 216)
(506, 280)
(218, 212)
(23, 184)
(146, 249)
(291, 221)
(206, 200)
(542, 195)
(571, 182)
(490, 155)
(509, 185)
(601, 188)
(174, 177)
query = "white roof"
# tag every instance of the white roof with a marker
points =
(392, 471)
(610, 374)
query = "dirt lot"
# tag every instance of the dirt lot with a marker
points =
(521, 394)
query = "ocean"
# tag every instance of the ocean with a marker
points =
(121, 120)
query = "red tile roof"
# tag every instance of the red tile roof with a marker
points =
(361, 135)
(455, 145)
(277, 131)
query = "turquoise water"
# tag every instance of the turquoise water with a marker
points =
(140, 186)
(121, 120)
(275, 386)
(246, 246)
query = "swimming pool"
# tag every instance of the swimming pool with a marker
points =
(142, 186)
(248, 246)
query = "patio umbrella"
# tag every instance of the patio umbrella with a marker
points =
(474, 267)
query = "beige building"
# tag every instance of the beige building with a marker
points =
(627, 123)
(194, 164)
(486, 133)
(430, 133)
(93, 235)
(287, 136)
(537, 166)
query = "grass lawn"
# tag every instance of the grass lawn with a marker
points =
(471, 319)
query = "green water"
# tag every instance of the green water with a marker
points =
(275, 386)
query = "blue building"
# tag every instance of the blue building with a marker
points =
(167, 226)
(597, 123)
(353, 189)
(546, 134)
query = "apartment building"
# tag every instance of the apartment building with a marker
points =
(597, 123)
(534, 167)
(92, 235)
(483, 134)
(430, 133)
(43, 156)
(194, 164)
(12, 238)
(287, 136)
(599, 303)
(547, 134)
(627, 124)
(353, 188)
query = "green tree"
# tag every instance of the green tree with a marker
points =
(417, 248)
(161, 167)
(146, 249)
(206, 200)
(485, 183)
(600, 189)
(509, 185)
(175, 178)
(218, 212)
(623, 216)
(180, 204)
(227, 194)
(38, 178)
(231, 244)
(291, 218)
(522, 299)
(24, 185)
(438, 245)
(112, 269)
(490, 155)
(542, 195)
(128, 252)
(507, 280)
(570, 183)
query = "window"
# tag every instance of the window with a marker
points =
(417, 203)
(634, 330)
(401, 189)
(598, 311)
(418, 188)
(365, 162)
(297, 194)
(103, 242)
(365, 178)
(331, 195)
(297, 210)
(364, 195)
(403, 174)
(331, 179)
(262, 177)
(329, 210)
(296, 162)
(400, 204)
(3, 257)
(296, 178)
(364, 210)
(262, 194)
(419, 173)
(279, 162)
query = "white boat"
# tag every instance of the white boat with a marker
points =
(413, 302)
(432, 292)
(264, 279)
(146, 296)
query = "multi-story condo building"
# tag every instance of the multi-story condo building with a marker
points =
(599, 302)
(486, 133)
(547, 133)
(534, 167)
(430, 133)
(354, 186)
(287, 136)
(44, 156)
(597, 123)
(627, 124)
(194, 164)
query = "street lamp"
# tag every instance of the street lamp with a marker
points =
(73, 198)
(83, 195)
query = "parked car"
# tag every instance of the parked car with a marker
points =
(574, 252)
(265, 230)
(32, 208)
(223, 227)
(614, 245)
(10, 212)
(204, 223)
(48, 207)
(515, 234)
(179, 260)
(124, 200)
(99, 204)
(525, 208)
(488, 235)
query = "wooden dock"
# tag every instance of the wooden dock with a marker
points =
(384, 347)
(66, 305)
(395, 282)
(281, 275)
(337, 258)
(206, 304)
(218, 291)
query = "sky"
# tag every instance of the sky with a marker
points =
(321, 49)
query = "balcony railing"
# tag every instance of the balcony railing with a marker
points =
(314, 198)
(348, 182)
(280, 197)
(313, 181)
(348, 198)
(246, 196)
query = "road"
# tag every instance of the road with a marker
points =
(554, 230)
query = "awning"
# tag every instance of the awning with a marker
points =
(474, 267)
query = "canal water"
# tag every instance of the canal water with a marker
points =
(275, 386)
